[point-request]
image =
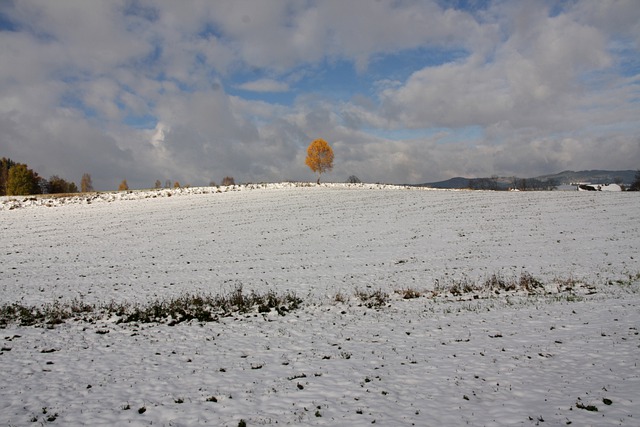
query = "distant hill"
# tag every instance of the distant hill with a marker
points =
(452, 183)
(562, 178)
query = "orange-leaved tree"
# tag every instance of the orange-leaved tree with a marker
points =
(319, 157)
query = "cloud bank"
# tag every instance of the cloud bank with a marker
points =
(405, 92)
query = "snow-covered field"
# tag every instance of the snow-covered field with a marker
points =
(473, 359)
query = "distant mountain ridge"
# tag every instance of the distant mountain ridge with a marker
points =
(562, 178)
(592, 176)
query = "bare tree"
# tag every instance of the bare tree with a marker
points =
(85, 183)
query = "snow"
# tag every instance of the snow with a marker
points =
(476, 359)
(599, 187)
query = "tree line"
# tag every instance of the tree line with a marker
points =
(635, 186)
(17, 179)
(532, 184)
(515, 183)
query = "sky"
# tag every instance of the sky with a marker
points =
(404, 91)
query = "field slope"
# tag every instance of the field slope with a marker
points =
(465, 348)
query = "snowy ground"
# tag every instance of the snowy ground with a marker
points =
(504, 359)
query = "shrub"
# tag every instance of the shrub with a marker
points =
(409, 293)
(494, 283)
(529, 283)
(497, 283)
(340, 297)
(228, 180)
(372, 299)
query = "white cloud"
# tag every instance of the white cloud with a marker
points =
(532, 79)
(157, 137)
(547, 92)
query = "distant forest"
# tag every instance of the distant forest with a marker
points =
(17, 179)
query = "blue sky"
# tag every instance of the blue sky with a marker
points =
(404, 92)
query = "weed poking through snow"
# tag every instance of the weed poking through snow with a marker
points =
(186, 307)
